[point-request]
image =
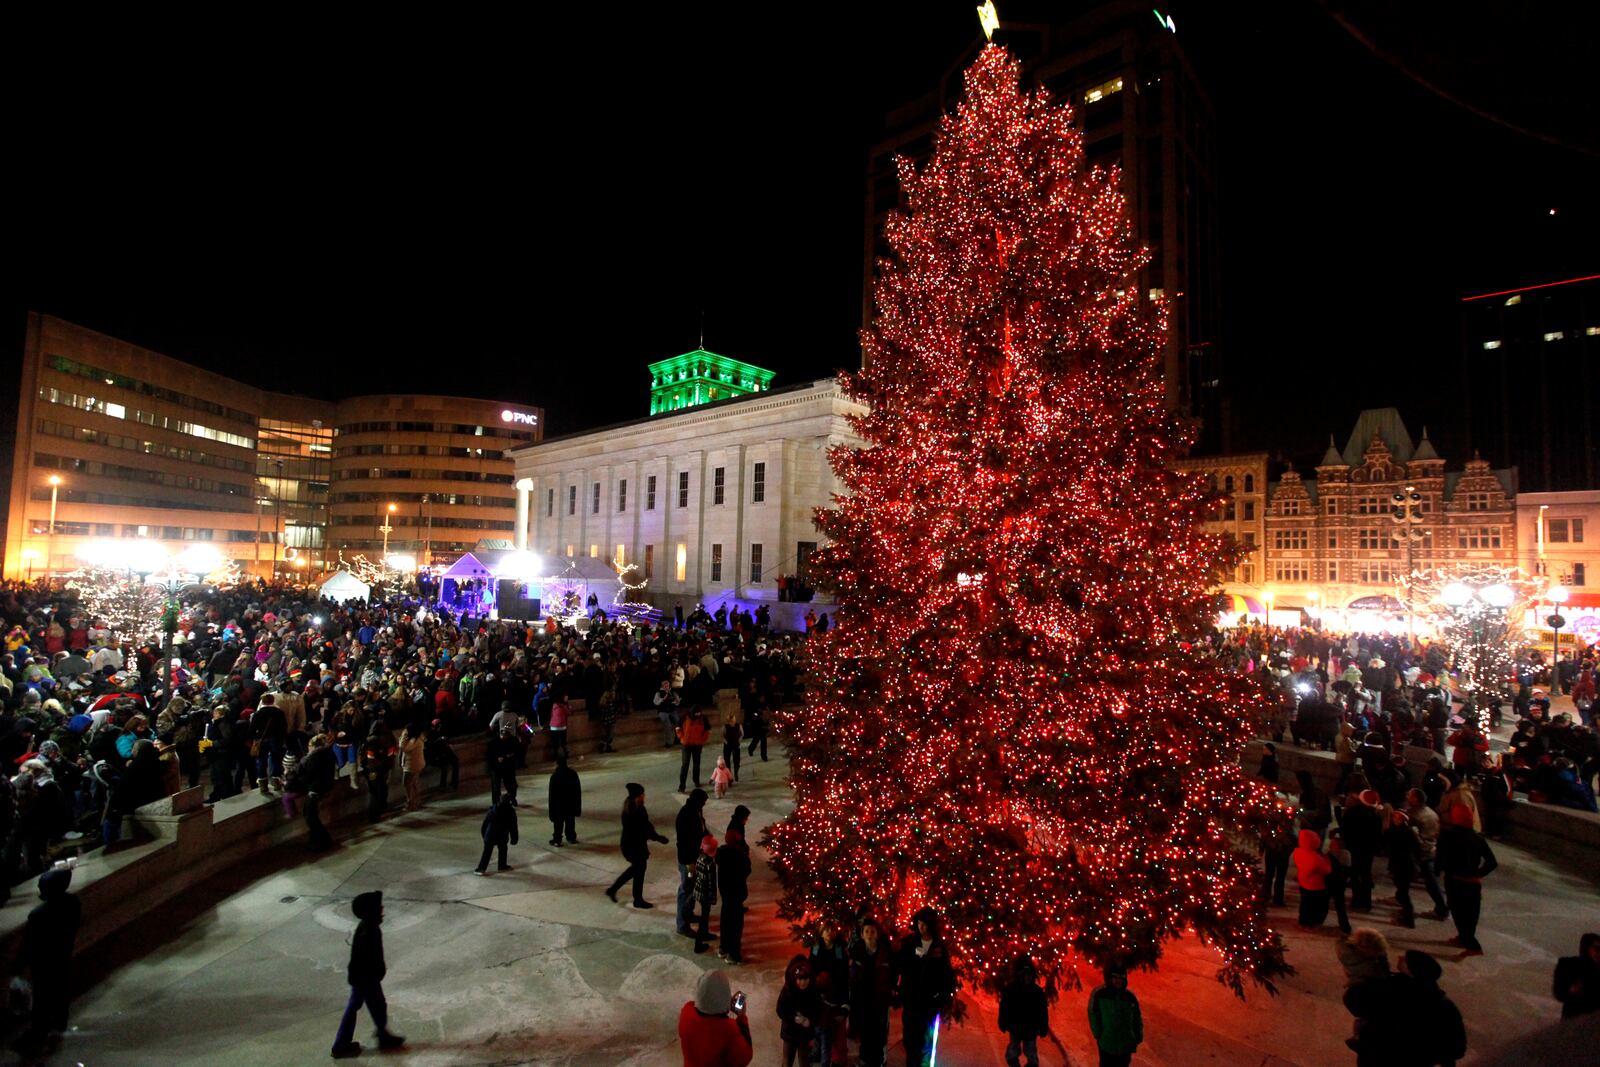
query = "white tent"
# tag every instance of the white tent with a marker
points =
(342, 585)
(468, 566)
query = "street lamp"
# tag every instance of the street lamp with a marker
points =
(1407, 517)
(1269, 596)
(385, 528)
(50, 550)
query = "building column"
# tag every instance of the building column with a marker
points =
(524, 493)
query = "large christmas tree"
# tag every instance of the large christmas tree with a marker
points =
(1007, 722)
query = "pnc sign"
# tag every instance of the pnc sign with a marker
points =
(507, 415)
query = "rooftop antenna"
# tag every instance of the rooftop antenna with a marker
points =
(702, 328)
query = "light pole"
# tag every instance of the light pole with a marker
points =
(385, 528)
(1407, 517)
(50, 548)
(1558, 597)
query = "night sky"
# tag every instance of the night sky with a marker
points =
(532, 211)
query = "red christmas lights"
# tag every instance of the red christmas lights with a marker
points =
(1007, 723)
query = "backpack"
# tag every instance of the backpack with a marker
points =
(103, 745)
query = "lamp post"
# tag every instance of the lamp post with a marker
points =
(1407, 517)
(385, 528)
(50, 549)
(1558, 597)
(1269, 596)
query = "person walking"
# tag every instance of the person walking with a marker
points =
(413, 762)
(713, 1028)
(637, 833)
(502, 752)
(690, 826)
(1114, 1019)
(871, 987)
(705, 891)
(566, 802)
(1024, 1014)
(315, 777)
(1426, 822)
(499, 830)
(926, 984)
(1466, 859)
(47, 943)
(693, 734)
(733, 879)
(365, 975)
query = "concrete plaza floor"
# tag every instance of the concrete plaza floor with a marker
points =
(536, 966)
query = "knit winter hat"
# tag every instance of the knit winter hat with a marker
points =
(1423, 967)
(708, 845)
(712, 995)
(635, 789)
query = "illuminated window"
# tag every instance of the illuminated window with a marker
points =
(755, 564)
(1490, 346)
(1103, 90)
(570, 553)
(622, 556)
(594, 551)
(1593, 331)
(683, 562)
(1513, 301)
(1554, 335)
(716, 563)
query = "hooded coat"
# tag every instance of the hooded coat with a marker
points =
(366, 946)
(1311, 867)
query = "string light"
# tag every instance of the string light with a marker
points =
(1009, 722)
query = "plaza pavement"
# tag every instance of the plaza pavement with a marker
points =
(536, 966)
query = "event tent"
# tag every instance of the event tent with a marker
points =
(342, 585)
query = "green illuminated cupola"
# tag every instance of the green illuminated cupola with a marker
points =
(700, 377)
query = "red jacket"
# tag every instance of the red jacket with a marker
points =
(694, 731)
(1311, 867)
(712, 1040)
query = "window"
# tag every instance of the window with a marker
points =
(1333, 505)
(1477, 501)
(1371, 505)
(1249, 483)
(1250, 539)
(594, 551)
(716, 562)
(594, 506)
(758, 480)
(1377, 573)
(650, 493)
(550, 502)
(649, 559)
(1490, 346)
(1333, 538)
(1577, 574)
(1249, 510)
(1478, 537)
(683, 562)
(1229, 512)
(1513, 301)
(622, 495)
(1291, 539)
(717, 484)
(621, 556)
(1564, 530)
(755, 561)
(1101, 91)
(1289, 507)
(570, 552)
(1291, 570)
(683, 490)
(572, 500)
(1553, 335)
(1333, 572)
(1227, 484)
(1247, 574)
(1371, 537)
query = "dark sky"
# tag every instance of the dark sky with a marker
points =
(534, 210)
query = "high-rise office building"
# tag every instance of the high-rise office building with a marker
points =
(1527, 387)
(116, 443)
(1139, 106)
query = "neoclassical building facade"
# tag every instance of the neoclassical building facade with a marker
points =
(712, 501)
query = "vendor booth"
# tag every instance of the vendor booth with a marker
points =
(342, 586)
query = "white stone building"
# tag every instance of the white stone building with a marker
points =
(712, 502)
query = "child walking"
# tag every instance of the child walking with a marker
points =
(499, 829)
(1114, 1019)
(722, 777)
(1024, 1014)
(798, 1011)
(705, 890)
